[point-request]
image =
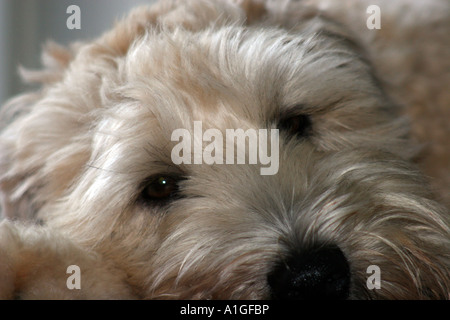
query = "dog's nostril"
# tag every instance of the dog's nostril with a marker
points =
(321, 273)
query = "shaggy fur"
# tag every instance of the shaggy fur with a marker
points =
(75, 155)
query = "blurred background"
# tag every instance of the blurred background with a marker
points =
(26, 24)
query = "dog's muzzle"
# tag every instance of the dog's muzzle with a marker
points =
(320, 273)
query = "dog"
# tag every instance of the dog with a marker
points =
(357, 208)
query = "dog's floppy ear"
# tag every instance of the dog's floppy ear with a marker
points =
(19, 155)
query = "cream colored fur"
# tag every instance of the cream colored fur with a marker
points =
(74, 155)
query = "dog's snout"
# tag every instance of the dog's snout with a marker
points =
(321, 273)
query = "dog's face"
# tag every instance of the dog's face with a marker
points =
(341, 200)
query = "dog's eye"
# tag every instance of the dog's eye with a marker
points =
(296, 125)
(161, 188)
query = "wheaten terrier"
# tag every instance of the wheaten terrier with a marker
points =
(355, 206)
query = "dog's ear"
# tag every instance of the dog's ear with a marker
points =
(20, 155)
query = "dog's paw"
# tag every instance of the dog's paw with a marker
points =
(39, 263)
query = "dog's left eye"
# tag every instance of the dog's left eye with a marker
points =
(161, 188)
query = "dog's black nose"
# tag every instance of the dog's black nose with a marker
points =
(321, 273)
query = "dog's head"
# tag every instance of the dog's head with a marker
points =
(92, 154)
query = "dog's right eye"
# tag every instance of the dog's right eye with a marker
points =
(161, 188)
(297, 125)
